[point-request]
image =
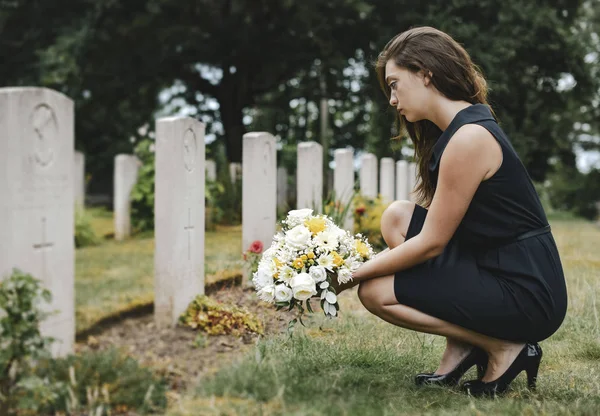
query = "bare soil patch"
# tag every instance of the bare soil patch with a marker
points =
(181, 354)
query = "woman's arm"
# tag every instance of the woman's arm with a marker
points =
(471, 156)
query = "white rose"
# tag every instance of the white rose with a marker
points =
(262, 278)
(318, 273)
(300, 214)
(298, 236)
(303, 286)
(267, 293)
(283, 293)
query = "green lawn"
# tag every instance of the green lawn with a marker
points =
(117, 276)
(360, 365)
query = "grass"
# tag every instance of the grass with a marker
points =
(118, 276)
(359, 365)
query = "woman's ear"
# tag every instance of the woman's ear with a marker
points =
(427, 75)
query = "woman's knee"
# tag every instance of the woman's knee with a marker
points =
(375, 294)
(395, 220)
(367, 293)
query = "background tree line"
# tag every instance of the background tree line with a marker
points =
(302, 70)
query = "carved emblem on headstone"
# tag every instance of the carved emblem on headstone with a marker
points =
(189, 150)
(45, 134)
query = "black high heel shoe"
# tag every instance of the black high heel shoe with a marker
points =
(528, 360)
(476, 357)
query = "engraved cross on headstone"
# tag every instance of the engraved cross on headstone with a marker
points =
(189, 229)
(44, 245)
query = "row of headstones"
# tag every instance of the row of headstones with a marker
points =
(38, 200)
(397, 180)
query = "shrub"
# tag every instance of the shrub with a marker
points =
(142, 194)
(21, 344)
(84, 233)
(33, 383)
(367, 219)
(570, 190)
(337, 210)
(107, 380)
(214, 213)
(216, 318)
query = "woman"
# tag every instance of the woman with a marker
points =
(475, 261)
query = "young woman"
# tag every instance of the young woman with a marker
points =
(475, 260)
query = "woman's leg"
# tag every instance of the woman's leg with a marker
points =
(378, 297)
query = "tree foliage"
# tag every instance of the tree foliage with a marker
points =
(267, 64)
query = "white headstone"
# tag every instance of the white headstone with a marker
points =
(387, 180)
(235, 171)
(37, 203)
(79, 178)
(309, 176)
(402, 180)
(211, 170)
(412, 181)
(368, 175)
(282, 187)
(343, 181)
(126, 172)
(178, 217)
(259, 189)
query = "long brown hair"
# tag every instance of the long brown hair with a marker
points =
(453, 74)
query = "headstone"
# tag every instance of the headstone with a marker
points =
(259, 190)
(412, 181)
(402, 180)
(282, 188)
(79, 178)
(178, 217)
(387, 180)
(211, 170)
(309, 176)
(37, 203)
(343, 181)
(126, 172)
(235, 171)
(368, 175)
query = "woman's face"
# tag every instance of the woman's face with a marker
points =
(408, 91)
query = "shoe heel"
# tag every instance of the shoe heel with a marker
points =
(532, 373)
(480, 371)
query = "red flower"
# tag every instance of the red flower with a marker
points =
(256, 247)
(360, 210)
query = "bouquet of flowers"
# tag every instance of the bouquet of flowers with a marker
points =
(303, 260)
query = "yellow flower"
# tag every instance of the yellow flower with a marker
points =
(361, 248)
(311, 255)
(304, 257)
(277, 262)
(315, 225)
(337, 259)
(298, 263)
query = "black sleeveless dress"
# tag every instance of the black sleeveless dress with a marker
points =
(500, 274)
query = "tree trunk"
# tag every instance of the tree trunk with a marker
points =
(231, 117)
(232, 97)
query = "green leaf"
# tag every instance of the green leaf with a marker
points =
(309, 307)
